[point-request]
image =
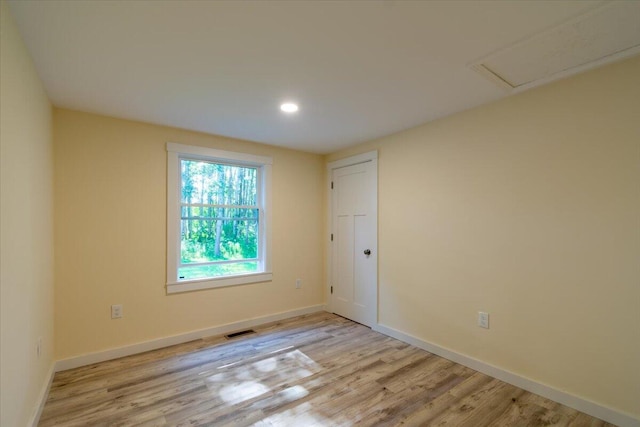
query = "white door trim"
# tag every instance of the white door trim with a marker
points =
(353, 160)
(371, 156)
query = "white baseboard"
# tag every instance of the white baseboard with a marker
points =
(583, 405)
(42, 396)
(114, 353)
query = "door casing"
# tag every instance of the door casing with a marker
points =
(372, 157)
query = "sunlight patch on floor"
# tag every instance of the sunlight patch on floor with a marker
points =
(294, 393)
(266, 365)
(239, 382)
(301, 415)
(239, 392)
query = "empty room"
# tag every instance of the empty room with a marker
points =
(320, 213)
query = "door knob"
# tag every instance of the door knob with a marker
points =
(367, 252)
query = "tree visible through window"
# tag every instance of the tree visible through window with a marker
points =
(219, 224)
(218, 218)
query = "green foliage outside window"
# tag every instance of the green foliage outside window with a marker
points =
(219, 218)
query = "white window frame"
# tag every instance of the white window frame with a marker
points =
(176, 152)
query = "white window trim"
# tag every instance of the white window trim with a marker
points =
(174, 153)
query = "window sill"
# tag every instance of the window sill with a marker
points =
(197, 285)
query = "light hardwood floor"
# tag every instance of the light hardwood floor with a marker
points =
(315, 370)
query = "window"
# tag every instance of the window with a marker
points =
(217, 218)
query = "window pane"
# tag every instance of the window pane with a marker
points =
(220, 238)
(208, 212)
(204, 271)
(217, 184)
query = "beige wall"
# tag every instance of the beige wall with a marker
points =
(528, 208)
(110, 204)
(26, 215)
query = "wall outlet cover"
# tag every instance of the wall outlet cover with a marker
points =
(483, 319)
(116, 311)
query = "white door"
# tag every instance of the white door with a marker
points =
(354, 275)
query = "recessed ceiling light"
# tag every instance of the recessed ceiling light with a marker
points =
(289, 107)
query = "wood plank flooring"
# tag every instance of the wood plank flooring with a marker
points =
(315, 370)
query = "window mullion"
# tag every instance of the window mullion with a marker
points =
(205, 205)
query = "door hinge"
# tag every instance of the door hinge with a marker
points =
(332, 289)
(332, 237)
(332, 185)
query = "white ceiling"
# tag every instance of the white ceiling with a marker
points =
(359, 70)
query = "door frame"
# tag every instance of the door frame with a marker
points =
(371, 156)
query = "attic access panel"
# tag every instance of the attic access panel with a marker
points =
(605, 34)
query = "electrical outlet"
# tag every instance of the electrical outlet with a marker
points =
(483, 319)
(39, 347)
(298, 283)
(116, 311)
